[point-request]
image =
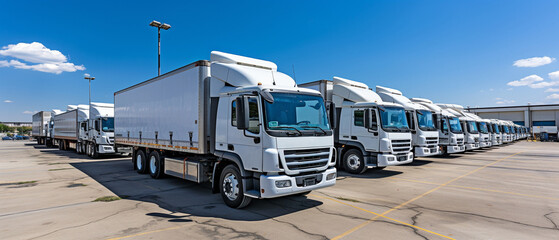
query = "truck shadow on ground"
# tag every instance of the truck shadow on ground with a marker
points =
(371, 173)
(182, 199)
(68, 153)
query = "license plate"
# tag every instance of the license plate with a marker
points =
(433, 150)
(403, 158)
(309, 182)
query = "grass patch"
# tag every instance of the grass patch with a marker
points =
(347, 199)
(25, 182)
(107, 199)
(76, 185)
(58, 169)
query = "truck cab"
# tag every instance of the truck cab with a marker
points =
(496, 134)
(369, 133)
(471, 132)
(99, 130)
(483, 128)
(425, 136)
(451, 136)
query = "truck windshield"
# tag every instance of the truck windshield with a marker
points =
(455, 125)
(495, 128)
(393, 119)
(425, 120)
(296, 112)
(472, 127)
(506, 128)
(483, 127)
(108, 124)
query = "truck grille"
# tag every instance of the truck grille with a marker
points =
(460, 141)
(306, 159)
(401, 146)
(432, 140)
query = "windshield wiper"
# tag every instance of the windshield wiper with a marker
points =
(315, 127)
(294, 128)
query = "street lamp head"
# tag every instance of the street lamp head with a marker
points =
(155, 24)
(165, 26)
(86, 75)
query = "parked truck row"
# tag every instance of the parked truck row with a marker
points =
(252, 132)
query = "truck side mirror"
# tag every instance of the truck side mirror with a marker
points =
(367, 119)
(242, 113)
(332, 115)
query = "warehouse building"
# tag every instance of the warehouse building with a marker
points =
(527, 115)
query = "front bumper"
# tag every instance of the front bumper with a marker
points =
(384, 160)
(426, 151)
(471, 146)
(485, 144)
(455, 149)
(105, 149)
(268, 187)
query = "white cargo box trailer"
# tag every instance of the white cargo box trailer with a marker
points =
(207, 122)
(66, 127)
(39, 126)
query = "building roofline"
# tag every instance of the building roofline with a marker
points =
(519, 106)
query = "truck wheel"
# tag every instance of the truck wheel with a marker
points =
(444, 152)
(95, 152)
(49, 143)
(155, 165)
(78, 148)
(354, 162)
(140, 162)
(60, 145)
(232, 188)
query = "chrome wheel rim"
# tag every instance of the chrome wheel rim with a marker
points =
(230, 186)
(353, 162)
(139, 161)
(152, 164)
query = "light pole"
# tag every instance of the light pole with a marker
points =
(159, 26)
(89, 77)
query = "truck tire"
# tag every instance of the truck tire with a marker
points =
(155, 164)
(444, 151)
(60, 145)
(49, 143)
(140, 162)
(354, 162)
(95, 152)
(231, 187)
(78, 148)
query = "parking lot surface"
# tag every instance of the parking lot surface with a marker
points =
(508, 192)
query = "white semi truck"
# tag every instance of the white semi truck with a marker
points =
(39, 127)
(369, 132)
(65, 129)
(425, 137)
(98, 131)
(451, 136)
(234, 121)
(471, 133)
(496, 134)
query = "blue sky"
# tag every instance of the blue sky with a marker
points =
(448, 51)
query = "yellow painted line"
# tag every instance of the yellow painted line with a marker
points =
(420, 196)
(379, 215)
(475, 188)
(145, 233)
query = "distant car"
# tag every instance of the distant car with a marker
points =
(18, 137)
(7, 138)
(25, 137)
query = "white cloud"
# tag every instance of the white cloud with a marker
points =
(42, 58)
(553, 96)
(525, 81)
(552, 90)
(8, 101)
(504, 101)
(554, 75)
(533, 62)
(543, 84)
(28, 112)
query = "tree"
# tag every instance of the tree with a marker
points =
(5, 128)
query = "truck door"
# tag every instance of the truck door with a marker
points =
(246, 143)
(368, 137)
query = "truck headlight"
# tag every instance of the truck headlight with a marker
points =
(330, 176)
(283, 183)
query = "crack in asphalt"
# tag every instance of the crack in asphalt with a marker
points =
(551, 220)
(90, 222)
(214, 234)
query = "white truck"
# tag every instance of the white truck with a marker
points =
(496, 134)
(98, 131)
(369, 132)
(506, 131)
(65, 130)
(482, 126)
(234, 121)
(451, 136)
(39, 127)
(425, 137)
(471, 133)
